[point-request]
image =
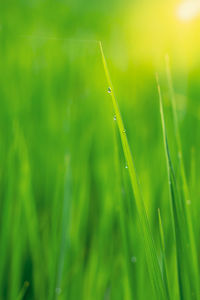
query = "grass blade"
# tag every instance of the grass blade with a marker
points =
(176, 130)
(164, 259)
(151, 255)
(186, 197)
(185, 251)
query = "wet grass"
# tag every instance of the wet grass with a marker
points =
(91, 208)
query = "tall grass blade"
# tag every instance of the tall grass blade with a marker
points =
(176, 130)
(187, 270)
(185, 189)
(30, 212)
(164, 259)
(65, 237)
(151, 255)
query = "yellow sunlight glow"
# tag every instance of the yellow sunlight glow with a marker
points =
(188, 10)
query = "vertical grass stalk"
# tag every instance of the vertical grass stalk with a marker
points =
(150, 250)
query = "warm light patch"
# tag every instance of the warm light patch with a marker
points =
(188, 10)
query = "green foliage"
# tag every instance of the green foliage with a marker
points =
(99, 197)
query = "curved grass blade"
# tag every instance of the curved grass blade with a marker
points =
(176, 130)
(185, 254)
(151, 255)
(185, 196)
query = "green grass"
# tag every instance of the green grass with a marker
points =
(151, 255)
(182, 227)
(99, 165)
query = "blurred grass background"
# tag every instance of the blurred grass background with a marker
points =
(69, 227)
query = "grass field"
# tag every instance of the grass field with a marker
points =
(99, 150)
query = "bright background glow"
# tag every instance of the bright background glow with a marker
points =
(188, 10)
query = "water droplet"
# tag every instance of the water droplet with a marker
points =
(124, 131)
(26, 284)
(126, 167)
(58, 291)
(133, 259)
(109, 90)
(114, 118)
